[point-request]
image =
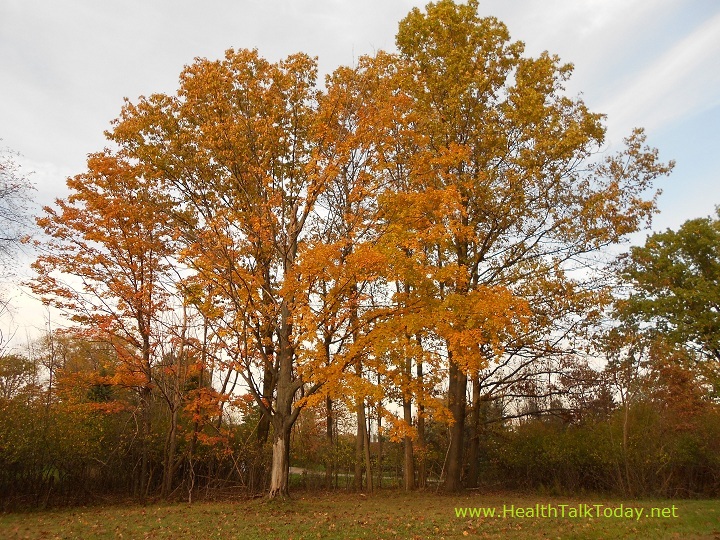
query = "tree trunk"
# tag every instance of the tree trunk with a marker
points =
(456, 402)
(146, 423)
(169, 465)
(268, 387)
(422, 446)
(280, 470)
(368, 465)
(283, 417)
(329, 459)
(359, 444)
(474, 450)
(409, 460)
(378, 482)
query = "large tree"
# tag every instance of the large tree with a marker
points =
(270, 204)
(505, 197)
(673, 288)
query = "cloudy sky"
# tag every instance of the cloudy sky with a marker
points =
(66, 66)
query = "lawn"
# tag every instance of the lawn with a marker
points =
(387, 514)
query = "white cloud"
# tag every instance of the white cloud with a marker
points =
(684, 81)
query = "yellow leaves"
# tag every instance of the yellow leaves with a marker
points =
(398, 429)
(478, 323)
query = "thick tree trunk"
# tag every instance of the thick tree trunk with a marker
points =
(283, 417)
(474, 450)
(280, 470)
(456, 402)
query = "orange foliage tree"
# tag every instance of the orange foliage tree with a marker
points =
(504, 195)
(253, 156)
(107, 266)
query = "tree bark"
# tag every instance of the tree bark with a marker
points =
(359, 444)
(170, 465)
(146, 423)
(283, 417)
(368, 464)
(422, 461)
(409, 458)
(329, 459)
(474, 450)
(280, 470)
(456, 402)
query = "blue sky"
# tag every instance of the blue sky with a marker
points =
(68, 64)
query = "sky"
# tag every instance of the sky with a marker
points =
(67, 65)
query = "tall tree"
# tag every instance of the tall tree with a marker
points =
(252, 155)
(107, 266)
(505, 183)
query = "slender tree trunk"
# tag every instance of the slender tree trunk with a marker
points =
(378, 483)
(329, 459)
(359, 444)
(169, 465)
(456, 402)
(146, 427)
(409, 459)
(422, 447)
(268, 384)
(362, 440)
(368, 464)
(263, 430)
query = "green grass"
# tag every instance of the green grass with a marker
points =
(388, 514)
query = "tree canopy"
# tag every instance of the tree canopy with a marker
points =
(673, 283)
(427, 209)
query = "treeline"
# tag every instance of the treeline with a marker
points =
(416, 250)
(69, 434)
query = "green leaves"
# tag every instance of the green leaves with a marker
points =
(674, 279)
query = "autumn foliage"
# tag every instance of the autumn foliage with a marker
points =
(416, 243)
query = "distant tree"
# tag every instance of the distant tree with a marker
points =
(17, 375)
(673, 283)
(15, 197)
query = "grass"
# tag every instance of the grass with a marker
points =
(384, 515)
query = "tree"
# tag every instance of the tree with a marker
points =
(505, 196)
(673, 281)
(107, 266)
(14, 197)
(247, 151)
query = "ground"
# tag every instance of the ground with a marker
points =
(384, 515)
